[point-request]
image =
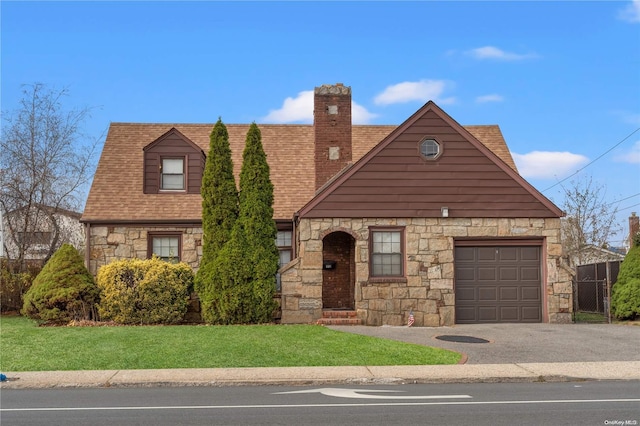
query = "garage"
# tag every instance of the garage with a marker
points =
(498, 282)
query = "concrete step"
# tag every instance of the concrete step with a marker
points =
(339, 317)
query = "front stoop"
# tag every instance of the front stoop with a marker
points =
(339, 317)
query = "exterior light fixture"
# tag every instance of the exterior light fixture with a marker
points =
(445, 211)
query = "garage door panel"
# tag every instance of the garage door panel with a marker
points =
(487, 274)
(508, 273)
(489, 294)
(466, 254)
(508, 254)
(508, 294)
(467, 295)
(530, 253)
(486, 254)
(509, 314)
(466, 274)
(488, 313)
(530, 294)
(528, 273)
(466, 315)
(498, 284)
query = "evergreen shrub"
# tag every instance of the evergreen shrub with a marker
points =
(63, 291)
(150, 291)
(625, 297)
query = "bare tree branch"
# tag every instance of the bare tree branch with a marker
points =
(590, 222)
(45, 161)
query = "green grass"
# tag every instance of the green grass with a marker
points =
(26, 347)
(589, 317)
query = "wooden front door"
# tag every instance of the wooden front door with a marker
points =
(338, 272)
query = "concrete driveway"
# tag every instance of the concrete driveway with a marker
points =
(522, 343)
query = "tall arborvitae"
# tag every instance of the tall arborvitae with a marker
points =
(247, 264)
(256, 219)
(219, 213)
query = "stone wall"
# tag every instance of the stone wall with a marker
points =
(429, 286)
(108, 243)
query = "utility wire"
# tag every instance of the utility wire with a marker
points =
(629, 207)
(599, 157)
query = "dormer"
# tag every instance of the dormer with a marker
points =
(173, 164)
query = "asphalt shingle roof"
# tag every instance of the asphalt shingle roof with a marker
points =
(117, 196)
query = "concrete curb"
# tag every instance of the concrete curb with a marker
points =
(294, 376)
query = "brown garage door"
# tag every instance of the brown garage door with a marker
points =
(498, 284)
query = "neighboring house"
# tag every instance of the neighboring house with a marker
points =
(593, 254)
(39, 231)
(429, 216)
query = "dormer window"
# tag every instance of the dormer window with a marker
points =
(172, 174)
(173, 164)
(430, 149)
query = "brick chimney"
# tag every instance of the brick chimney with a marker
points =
(332, 130)
(634, 227)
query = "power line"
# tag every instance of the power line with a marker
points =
(599, 157)
(629, 207)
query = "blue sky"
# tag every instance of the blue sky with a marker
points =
(562, 79)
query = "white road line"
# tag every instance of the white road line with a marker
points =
(372, 404)
(358, 394)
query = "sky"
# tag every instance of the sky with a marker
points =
(561, 79)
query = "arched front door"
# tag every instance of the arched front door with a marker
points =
(338, 271)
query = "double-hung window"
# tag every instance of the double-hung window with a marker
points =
(387, 252)
(165, 246)
(172, 174)
(283, 241)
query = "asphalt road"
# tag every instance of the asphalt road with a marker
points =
(523, 343)
(578, 403)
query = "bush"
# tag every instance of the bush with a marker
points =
(13, 285)
(63, 291)
(625, 297)
(150, 291)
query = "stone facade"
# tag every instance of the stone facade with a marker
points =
(429, 286)
(108, 243)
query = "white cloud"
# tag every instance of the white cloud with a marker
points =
(631, 13)
(300, 110)
(489, 98)
(360, 115)
(491, 52)
(548, 165)
(632, 156)
(409, 91)
(294, 110)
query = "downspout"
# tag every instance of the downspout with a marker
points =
(294, 249)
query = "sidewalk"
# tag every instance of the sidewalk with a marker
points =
(314, 376)
(512, 352)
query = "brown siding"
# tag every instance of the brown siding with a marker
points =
(398, 182)
(151, 172)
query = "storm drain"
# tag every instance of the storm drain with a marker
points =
(462, 339)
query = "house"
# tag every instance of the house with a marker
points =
(594, 254)
(429, 216)
(33, 234)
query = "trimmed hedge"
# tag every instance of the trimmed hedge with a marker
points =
(150, 291)
(63, 291)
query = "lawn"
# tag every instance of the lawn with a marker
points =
(26, 347)
(589, 317)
